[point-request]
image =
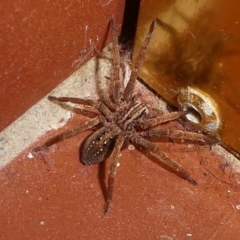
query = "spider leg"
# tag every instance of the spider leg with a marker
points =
(164, 158)
(96, 104)
(162, 119)
(180, 134)
(105, 98)
(83, 110)
(87, 102)
(140, 58)
(113, 169)
(69, 133)
(102, 89)
(118, 88)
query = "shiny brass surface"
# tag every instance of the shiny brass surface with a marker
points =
(193, 61)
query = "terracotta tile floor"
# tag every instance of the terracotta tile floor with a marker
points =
(63, 199)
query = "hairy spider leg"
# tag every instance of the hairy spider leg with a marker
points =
(164, 158)
(100, 106)
(70, 133)
(180, 134)
(113, 169)
(140, 58)
(118, 84)
(86, 106)
(162, 119)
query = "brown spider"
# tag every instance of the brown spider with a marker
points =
(122, 116)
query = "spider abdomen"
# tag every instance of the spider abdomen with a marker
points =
(97, 146)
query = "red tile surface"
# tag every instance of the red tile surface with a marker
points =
(42, 43)
(63, 199)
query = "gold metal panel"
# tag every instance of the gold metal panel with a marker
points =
(193, 61)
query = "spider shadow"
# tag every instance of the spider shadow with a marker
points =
(194, 53)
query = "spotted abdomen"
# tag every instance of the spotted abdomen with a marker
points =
(97, 146)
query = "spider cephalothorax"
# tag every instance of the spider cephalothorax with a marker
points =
(119, 117)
